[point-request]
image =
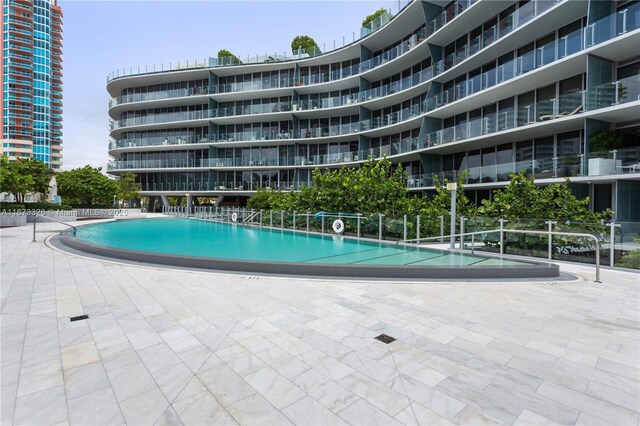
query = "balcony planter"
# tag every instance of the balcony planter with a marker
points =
(603, 166)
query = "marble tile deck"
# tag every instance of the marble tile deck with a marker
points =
(166, 346)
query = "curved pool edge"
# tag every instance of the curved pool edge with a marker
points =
(532, 269)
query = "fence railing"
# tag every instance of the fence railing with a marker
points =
(502, 231)
(569, 241)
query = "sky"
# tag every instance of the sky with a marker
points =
(103, 36)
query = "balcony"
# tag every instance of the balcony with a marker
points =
(162, 94)
(623, 161)
(160, 118)
(565, 105)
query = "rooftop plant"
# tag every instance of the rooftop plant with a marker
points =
(305, 43)
(224, 53)
(370, 18)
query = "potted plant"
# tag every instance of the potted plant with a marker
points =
(601, 143)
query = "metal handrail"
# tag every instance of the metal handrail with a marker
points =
(35, 220)
(250, 217)
(519, 231)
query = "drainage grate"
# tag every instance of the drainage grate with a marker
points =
(385, 339)
(78, 318)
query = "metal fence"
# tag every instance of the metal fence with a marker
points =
(614, 239)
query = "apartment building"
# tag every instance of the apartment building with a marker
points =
(548, 87)
(32, 80)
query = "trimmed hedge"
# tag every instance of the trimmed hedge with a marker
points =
(33, 206)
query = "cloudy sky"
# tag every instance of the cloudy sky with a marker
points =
(102, 36)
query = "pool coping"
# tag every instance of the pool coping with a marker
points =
(529, 269)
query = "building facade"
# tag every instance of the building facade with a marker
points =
(32, 80)
(548, 87)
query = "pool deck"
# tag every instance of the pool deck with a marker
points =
(163, 346)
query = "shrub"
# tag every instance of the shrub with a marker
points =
(370, 18)
(631, 259)
(224, 53)
(306, 43)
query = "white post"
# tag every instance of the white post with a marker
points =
(418, 229)
(550, 246)
(405, 227)
(453, 187)
(502, 222)
(380, 216)
(612, 242)
(441, 228)
(462, 220)
(358, 232)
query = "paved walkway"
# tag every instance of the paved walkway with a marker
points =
(177, 347)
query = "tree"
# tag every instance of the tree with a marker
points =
(366, 21)
(86, 186)
(8, 175)
(602, 141)
(306, 44)
(39, 171)
(523, 199)
(24, 176)
(128, 189)
(224, 53)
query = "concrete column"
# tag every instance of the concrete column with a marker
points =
(165, 200)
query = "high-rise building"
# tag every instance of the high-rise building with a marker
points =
(550, 88)
(32, 80)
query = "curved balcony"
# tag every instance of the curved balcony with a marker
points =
(160, 118)
(563, 106)
(608, 163)
(158, 164)
(158, 141)
(161, 94)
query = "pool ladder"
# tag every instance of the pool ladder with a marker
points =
(250, 218)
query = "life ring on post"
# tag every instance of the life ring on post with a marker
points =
(338, 226)
(234, 217)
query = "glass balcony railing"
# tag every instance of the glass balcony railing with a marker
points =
(616, 92)
(602, 30)
(251, 109)
(396, 86)
(619, 161)
(157, 141)
(257, 84)
(240, 185)
(505, 26)
(622, 161)
(157, 164)
(161, 94)
(160, 118)
(393, 118)
(323, 132)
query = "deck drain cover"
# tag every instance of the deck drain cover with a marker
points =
(385, 339)
(78, 318)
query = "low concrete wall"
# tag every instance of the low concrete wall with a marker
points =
(8, 219)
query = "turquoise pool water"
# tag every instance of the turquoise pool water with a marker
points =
(227, 241)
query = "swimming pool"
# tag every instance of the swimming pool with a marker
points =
(212, 245)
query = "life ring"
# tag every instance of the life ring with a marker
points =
(234, 217)
(338, 226)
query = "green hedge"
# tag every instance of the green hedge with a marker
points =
(33, 206)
